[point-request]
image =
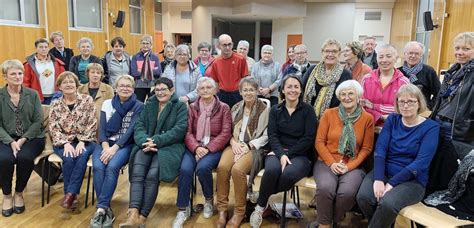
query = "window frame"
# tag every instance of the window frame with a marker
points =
(74, 27)
(160, 14)
(141, 17)
(22, 21)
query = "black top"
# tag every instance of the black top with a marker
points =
(292, 135)
(65, 57)
(428, 82)
(93, 92)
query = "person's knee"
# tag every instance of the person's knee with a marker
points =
(203, 169)
(24, 159)
(6, 161)
(152, 176)
(326, 190)
(389, 205)
(237, 172)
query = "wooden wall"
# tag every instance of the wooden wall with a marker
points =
(18, 41)
(403, 24)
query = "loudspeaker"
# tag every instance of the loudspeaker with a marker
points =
(120, 19)
(428, 22)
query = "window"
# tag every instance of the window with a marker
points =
(135, 16)
(19, 12)
(158, 16)
(85, 14)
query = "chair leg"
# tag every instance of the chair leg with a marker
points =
(88, 186)
(298, 196)
(42, 181)
(93, 195)
(49, 186)
(193, 191)
(283, 211)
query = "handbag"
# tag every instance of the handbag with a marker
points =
(49, 169)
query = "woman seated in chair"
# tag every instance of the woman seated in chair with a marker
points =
(291, 131)
(209, 131)
(402, 159)
(249, 135)
(159, 147)
(21, 135)
(117, 121)
(73, 126)
(344, 139)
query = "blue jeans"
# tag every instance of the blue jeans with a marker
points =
(106, 176)
(74, 168)
(203, 169)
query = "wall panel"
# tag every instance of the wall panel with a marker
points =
(403, 24)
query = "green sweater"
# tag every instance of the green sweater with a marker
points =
(31, 115)
(167, 133)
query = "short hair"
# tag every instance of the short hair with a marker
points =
(41, 40)
(291, 47)
(331, 41)
(389, 46)
(119, 40)
(467, 37)
(164, 81)
(94, 66)
(370, 38)
(67, 74)
(125, 77)
(146, 37)
(208, 80)
(356, 48)
(170, 46)
(10, 64)
(301, 46)
(288, 76)
(54, 35)
(182, 48)
(243, 43)
(414, 43)
(204, 45)
(267, 47)
(350, 84)
(414, 91)
(248, 80)
(85, 40)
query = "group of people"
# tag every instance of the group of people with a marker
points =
(236, 116)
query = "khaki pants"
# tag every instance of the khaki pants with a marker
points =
(238, 171)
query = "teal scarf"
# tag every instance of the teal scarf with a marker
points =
(347, 140)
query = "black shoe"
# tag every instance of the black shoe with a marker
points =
(19, 210)
(7, 212)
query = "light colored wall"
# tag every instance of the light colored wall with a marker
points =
(281, 28)
(172, 22)
(373, 28)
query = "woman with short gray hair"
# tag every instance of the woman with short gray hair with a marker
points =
(169, 54)
(184, 74)
(204, 59)
(266, 73)
(78, 64)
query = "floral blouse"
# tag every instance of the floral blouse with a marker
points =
(78, 124)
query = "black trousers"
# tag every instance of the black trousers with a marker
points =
(143, 93)
(24, 164)
(230, 98)
(144, 182)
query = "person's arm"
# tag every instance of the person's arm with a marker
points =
(273, 134)
(193, 94)
(55, 130)
(106, 79)
(435, 86)
(4, 136)
(245, 70)
(177, 133)
(307, 140)
(88, 133)
(134, 67)
(421, 164)
(321, 141)
(103, 127)
(140, 132)
(262, 135)
(219, 142)
(381, 148)
(190, 139)
(27, 75)
(157, 69)
(37, 122)
(72, 65)
(124, 139)
(366, 147)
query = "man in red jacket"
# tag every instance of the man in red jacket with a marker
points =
(42, 70)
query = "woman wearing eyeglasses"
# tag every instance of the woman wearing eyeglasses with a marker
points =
(403, 154)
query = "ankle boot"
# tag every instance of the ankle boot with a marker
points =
(222, 220)
(141, 220)
(235, 221)
(132, 218)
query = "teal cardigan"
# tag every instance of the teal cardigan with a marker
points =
(31, 115)
(167, 133)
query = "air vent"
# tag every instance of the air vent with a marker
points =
(373, 16)
(186, 15)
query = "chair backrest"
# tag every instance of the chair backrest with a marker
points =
(266, 101)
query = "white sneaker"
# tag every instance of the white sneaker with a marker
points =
(256, 217)
(181, 217)
(208, 209)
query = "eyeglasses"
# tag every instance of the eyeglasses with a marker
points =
(249, 91)
(229, 45)
(182, 55)
(161, 90)
(146, 43)
(202, 88)
(409, 103)
(349, 94)
(330, 51)
(124, 86)
(300, 53)
(414, 53)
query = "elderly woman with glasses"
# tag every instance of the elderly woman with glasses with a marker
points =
(402, 158)
(184, 74)
(79, 63)
(344, 139)
(205, 59)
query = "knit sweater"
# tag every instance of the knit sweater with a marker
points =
(266, 75)
(329, 132)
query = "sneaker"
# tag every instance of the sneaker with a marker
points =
(208, 209)
(109, 218)
(98, 220)
(256, 217)
(181, 217)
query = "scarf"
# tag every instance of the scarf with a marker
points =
(347, 140)
(252, 124)
(121, 109)
(147, 72)
(412, 71)
(453, 77)
(300, 69)
(328, 83)
(203, 130)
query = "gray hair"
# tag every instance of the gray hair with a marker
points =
(301, 46)
(267, 47)
(391, 47)
(243, 43)
(331, 41)
(204, 45)
(204, 80)
(125, 77)
(181, 49)
(252, 81)
(85, 40)
(146, 37)
(170, 46)
(414, 43)
(350, 84)
(414, 91)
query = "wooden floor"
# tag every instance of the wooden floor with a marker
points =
(162, 215)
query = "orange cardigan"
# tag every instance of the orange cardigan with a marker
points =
(329, 131)
(360, 70)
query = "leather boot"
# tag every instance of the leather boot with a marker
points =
(235, 221)
(133, 219)
(222, 220)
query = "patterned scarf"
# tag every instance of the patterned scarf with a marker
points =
(121, 109)
(203, 130)
(453, 77)
(328, 83)
(412, 71)
(257, 109)
(147, 72)
(347, 140)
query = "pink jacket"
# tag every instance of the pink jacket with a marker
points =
(221, 127)
(383, 99)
